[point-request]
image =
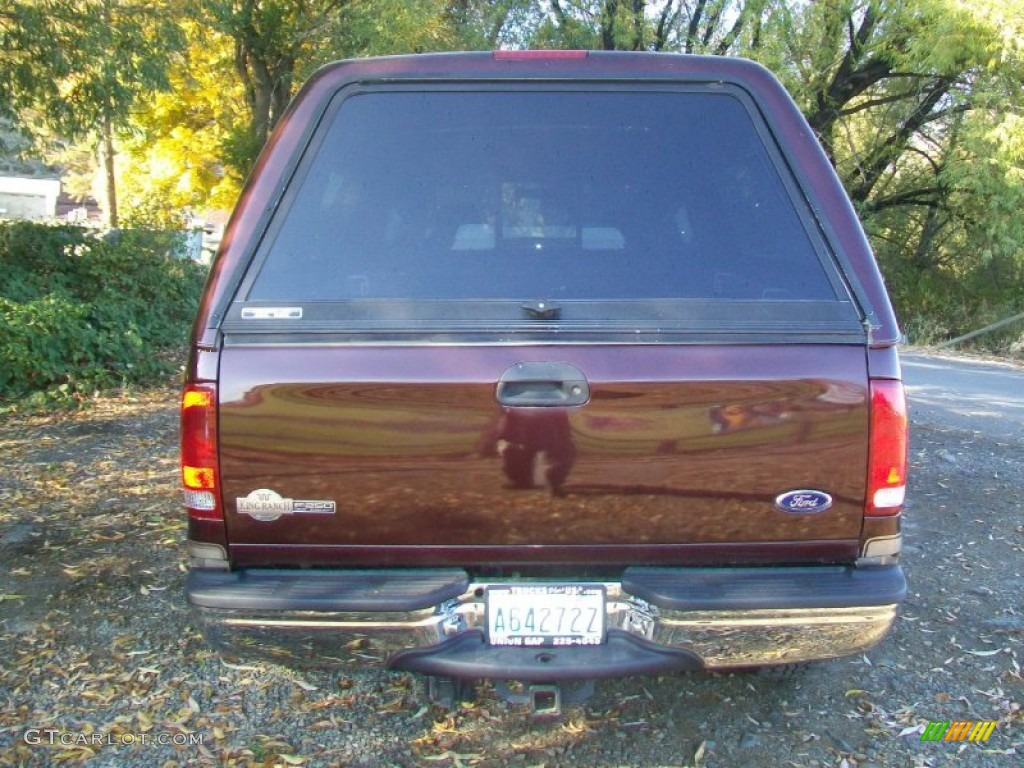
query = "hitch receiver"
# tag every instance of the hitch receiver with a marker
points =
(545, 699)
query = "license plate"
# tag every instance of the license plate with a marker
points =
(545, 614)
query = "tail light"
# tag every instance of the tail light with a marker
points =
(887, 454)
(199, 471)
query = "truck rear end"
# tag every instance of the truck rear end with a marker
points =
(544, 367)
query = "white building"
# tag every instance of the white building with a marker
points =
(24, 198)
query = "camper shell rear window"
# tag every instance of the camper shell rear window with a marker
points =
(598, 196)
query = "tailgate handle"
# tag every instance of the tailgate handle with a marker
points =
(543, 385)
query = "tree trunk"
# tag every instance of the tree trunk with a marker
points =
(609, 12)
(693, 28)
(268, 91)
(639, 22)
(261, 105)
(857, 72)
(110, 179)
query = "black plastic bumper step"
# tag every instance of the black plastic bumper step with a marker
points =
(325, 590)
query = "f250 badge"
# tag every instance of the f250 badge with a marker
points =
(803, 502)
(266, 506)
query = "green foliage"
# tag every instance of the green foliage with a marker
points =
(31, 55)
(80, 312)
(77, 63)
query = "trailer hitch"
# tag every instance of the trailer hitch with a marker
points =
(545, 699)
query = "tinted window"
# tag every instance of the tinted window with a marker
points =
(528, 195)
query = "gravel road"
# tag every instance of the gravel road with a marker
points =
(102, 665)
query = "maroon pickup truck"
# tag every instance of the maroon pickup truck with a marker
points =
(544, 367)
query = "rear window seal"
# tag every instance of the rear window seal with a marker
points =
(658, 321)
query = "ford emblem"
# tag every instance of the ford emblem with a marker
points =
(803, 502)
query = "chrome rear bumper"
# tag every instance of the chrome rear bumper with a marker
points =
(662, 629)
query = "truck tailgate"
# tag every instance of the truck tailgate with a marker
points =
(335, 454)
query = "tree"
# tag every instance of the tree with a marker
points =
(915, 103)
(270, 37)
(174, 155)
(131, 45)
(491, 24)
(82, 64)
(718, 27)
(277, 43)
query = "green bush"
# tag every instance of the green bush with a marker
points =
(80, 311)
(939, 303)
